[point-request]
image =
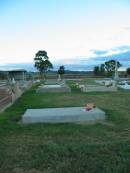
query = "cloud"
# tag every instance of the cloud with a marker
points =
(121, 53)
(126, 28)
(124, 58)
(100, 52)
(122, 48)
(111, 52)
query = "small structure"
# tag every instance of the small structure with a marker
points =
(17, 74)
(63, 115)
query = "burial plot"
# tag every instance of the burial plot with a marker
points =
(55, 82)
(53, 89)
(106, 82)
(97, 88)
(124, 85)
(62, 115)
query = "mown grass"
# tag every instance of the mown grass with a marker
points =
(67, 148)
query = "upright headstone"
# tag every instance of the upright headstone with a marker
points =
(59, 78)
(13, 81)
(116, 71)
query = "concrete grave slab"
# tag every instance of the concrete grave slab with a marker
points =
(53, 89)
(124, 85)
(54, 82)
(97, 88)
(62, 115)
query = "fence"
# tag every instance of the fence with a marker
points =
(6, 95)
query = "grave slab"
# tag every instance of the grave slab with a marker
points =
(53, 89)
(62, 115)
(54, 82)
(96, 88)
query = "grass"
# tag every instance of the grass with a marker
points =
(66, 148)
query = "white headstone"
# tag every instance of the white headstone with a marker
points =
(13, 81)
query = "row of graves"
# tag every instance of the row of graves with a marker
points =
(88, 113)
(11, 90)
(98, 86)
(105, 85)
(123, 83)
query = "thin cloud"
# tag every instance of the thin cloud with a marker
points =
(111, 52)
(99, 52)
(127, 28)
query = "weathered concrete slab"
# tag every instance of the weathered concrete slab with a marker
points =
(62, 115)
(96, 88)
(125, 87)
(53, 89)
(106, 82)
(54, 82)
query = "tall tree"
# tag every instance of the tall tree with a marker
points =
(61, 71)
(111, 65)
(42, 62)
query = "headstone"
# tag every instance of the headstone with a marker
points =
(59, 77)
(13, 81)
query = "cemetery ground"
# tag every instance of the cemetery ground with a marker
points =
(66, 148)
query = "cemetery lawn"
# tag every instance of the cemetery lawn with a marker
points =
(66, 148)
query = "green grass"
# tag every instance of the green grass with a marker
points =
(67, 148)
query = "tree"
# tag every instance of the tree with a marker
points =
(3, 75)
(96, 70)
(110, 66)
(61, 71)
(42, 62)
(128, 71)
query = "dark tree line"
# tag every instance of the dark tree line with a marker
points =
(43, 64)
(99, 70)
(108, 68)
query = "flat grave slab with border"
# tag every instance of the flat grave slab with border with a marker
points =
(97, 88)
(54, 82)
(53, 89)
(62, 115)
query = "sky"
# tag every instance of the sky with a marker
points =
(69, 30)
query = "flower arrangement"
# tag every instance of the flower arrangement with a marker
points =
(90, 106)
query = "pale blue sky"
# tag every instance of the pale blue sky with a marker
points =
(66, 29)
